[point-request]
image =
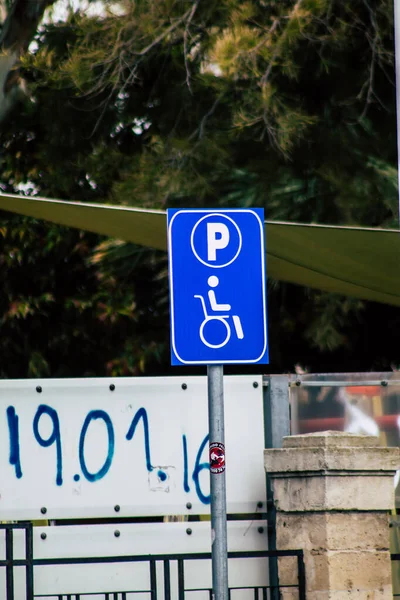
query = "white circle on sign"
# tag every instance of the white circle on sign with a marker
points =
(207, 264)
(213, 281)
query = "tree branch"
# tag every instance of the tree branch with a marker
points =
(3, 11)
(277, 50)
(185, 42)
(164, 34)
(16, 34)
(209, 113)
(21, 24)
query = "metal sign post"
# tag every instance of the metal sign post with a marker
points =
(218, 316)
(219, 542)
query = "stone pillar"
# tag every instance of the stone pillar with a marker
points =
(332, 493)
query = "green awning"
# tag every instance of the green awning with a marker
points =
(353, 261)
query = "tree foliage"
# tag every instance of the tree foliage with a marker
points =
(289, 105)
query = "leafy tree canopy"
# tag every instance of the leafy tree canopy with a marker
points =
(284, 104)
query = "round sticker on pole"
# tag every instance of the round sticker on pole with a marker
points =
(217, 458)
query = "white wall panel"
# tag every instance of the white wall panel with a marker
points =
(143, 538)
(66, 449)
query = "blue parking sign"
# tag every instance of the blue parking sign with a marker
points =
(217, 286)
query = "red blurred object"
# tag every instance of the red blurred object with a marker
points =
(364, 390)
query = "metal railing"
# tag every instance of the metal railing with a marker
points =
(29, 562)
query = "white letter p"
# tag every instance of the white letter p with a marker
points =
(215, 243)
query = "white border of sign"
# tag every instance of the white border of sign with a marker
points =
(215, 212)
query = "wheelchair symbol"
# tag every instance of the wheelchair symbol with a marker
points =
(213, 281)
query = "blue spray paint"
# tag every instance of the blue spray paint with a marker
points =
(142, 414)
(162, 476)
(185, 465)
(13, 429)
(198, 468)
(55, 436)
(93, 415)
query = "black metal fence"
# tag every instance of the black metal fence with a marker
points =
(29, 562)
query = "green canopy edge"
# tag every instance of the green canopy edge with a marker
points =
(354, 261)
